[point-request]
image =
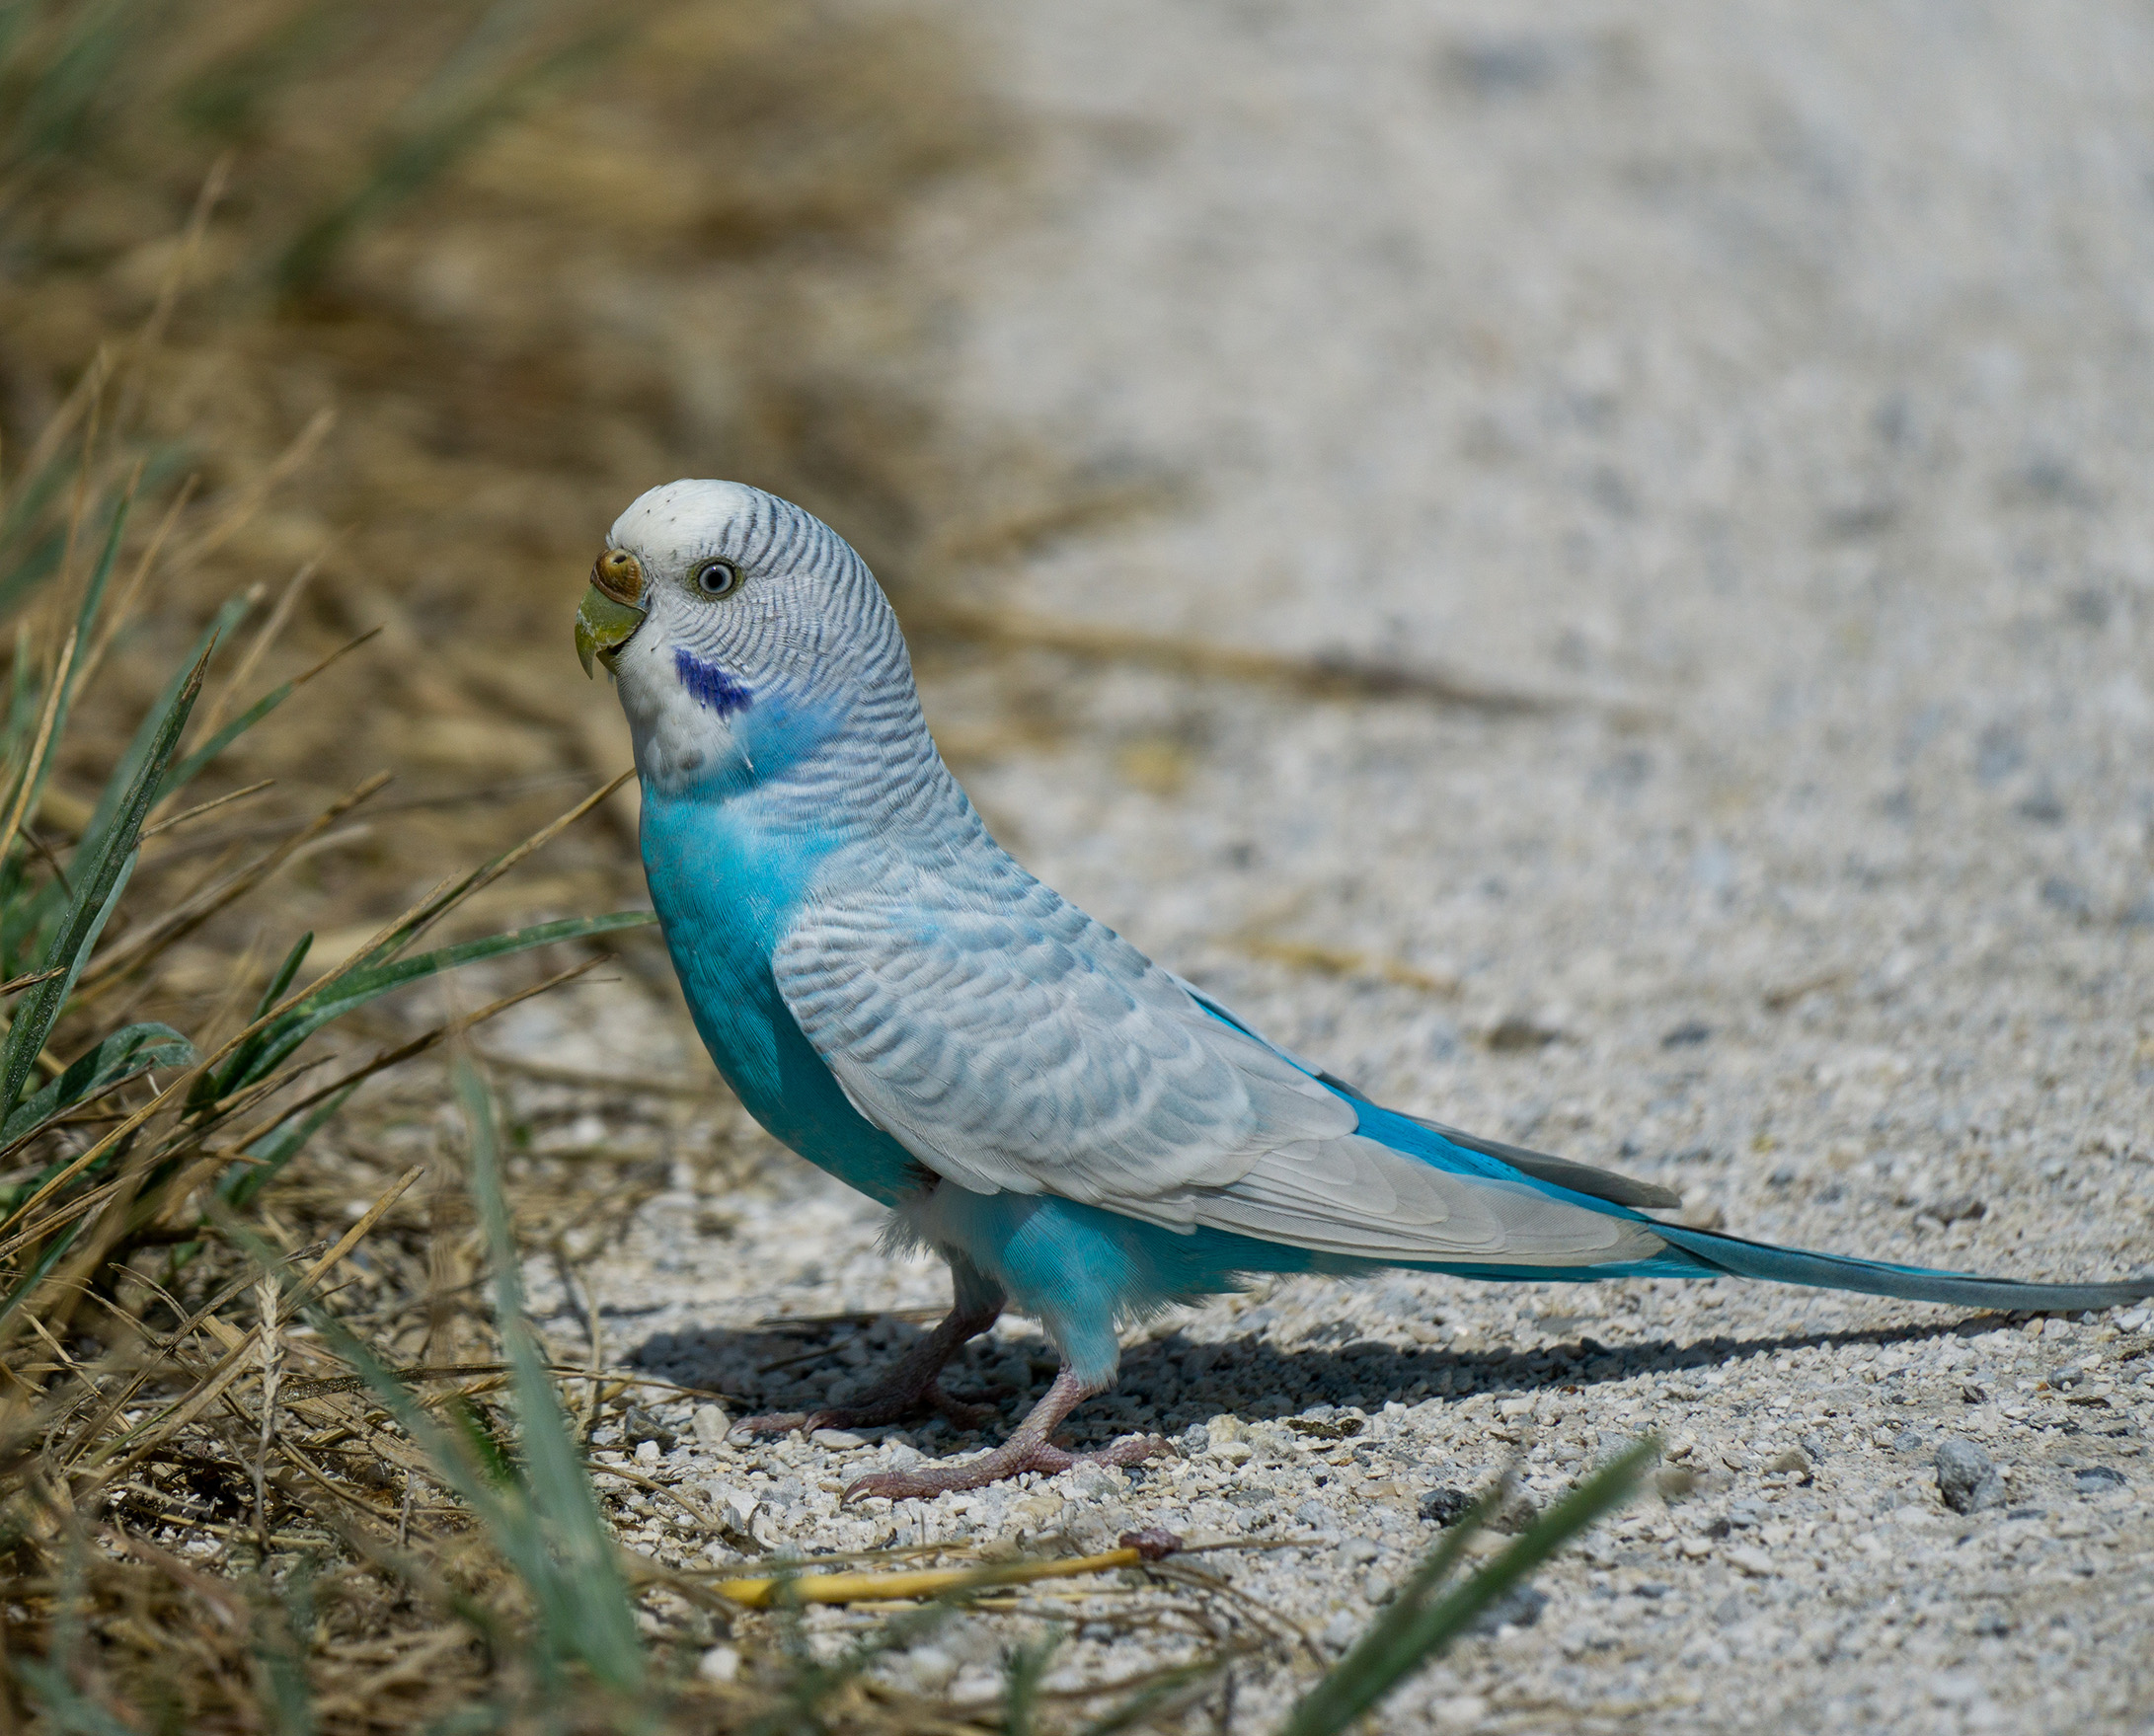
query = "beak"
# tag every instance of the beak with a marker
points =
(612, 608)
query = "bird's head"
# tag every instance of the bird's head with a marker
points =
(739, 628)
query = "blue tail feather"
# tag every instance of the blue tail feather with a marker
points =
(1740, 1258)
(1710, 1254)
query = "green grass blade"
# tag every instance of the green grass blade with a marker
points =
(356, 990)
(584, 1593)
(1140, 1706)
(214, 1087)
(283, 1630)
(35, 775)
(28, 1283)
(227, 99)
(282, 980)
(426, 148)
(40, 555)
(127, 772)
(1022, 1676)
(277, 1147)
(100, 876)
(38, 560)
(133, 1049)
(1415, 1631)
(191, 768)
(56, 111)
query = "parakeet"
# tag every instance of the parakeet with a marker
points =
(1082, 1135)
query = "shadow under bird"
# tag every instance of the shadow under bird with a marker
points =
(1083, 1136)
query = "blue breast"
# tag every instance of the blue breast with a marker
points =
(727, 879)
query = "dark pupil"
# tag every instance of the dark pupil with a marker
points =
(717, 577)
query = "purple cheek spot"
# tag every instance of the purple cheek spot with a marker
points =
(710, 686)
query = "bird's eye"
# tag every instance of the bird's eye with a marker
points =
(715, 579)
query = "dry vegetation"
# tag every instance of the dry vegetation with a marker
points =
(320, 321)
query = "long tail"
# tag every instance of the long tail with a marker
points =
(1739, 1259)
(1690, 1254)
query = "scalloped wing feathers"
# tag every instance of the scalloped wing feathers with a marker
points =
(1011, 1043)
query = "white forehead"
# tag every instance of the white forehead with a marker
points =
(682, 517)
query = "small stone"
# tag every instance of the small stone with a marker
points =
(929, 1667)
(1966, 1479)
(721, 1663)
(1357, 1551)
(647, 1451)
(1672, 1483)
(1519, 1607)
(1099, 1482)
(639, 1426)
(1445, 1505)
(1233, 1452)
(1908, 1441)
(1755, 1563)
(2098, 1480)
(1341, 1630)
(1696, 1547)
(1521, 1030)
(1791, 1462)
(709, 1424)
(1462, 1711)
(975, 1683)
(1512, 1409)
(837, 1440)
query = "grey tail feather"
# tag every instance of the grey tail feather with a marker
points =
(1831, 1271)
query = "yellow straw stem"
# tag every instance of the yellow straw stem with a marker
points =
(863, 1588)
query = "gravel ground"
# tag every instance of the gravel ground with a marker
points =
(1764, 390)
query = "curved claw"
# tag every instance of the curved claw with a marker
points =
(775, 1422)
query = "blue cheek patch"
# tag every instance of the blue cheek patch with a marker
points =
(710, 686)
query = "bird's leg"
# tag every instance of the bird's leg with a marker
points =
(1028, 1449)
(909, 1388)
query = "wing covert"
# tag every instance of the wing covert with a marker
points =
(1020, 1046)
(1027, 1048)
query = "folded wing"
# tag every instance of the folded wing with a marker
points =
(1020, 1046)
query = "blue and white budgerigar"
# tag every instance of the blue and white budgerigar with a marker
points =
(1084, 1136)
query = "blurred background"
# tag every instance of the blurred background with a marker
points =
(1585, 565)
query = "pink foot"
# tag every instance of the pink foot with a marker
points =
(1011, 1459)
(1028, 1449)
(911, 1389)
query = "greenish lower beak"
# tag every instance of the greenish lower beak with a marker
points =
(602, 624)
